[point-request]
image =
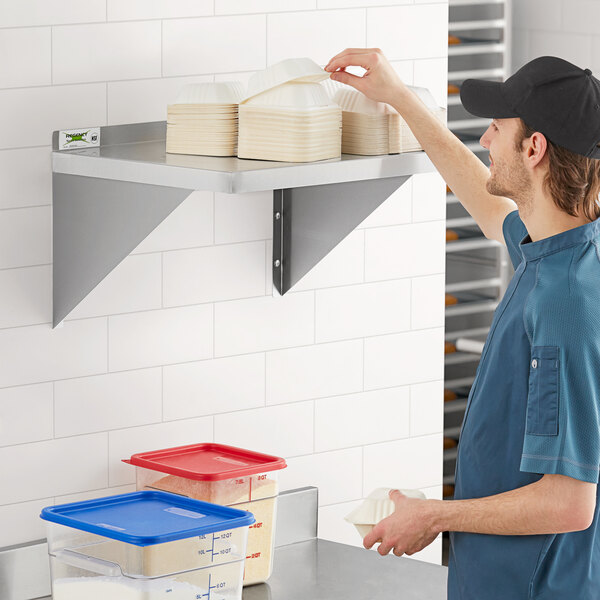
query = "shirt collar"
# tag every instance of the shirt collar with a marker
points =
(560, 241)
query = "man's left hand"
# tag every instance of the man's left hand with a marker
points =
(408, 530)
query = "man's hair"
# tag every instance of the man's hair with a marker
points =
(572, 180)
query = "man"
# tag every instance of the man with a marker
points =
(524, 521)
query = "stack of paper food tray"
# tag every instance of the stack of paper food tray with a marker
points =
(372, 128)
(288, 116)
(204, 119)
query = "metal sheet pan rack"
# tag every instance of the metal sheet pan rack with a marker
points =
(477, 269)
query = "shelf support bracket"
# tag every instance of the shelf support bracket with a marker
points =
(308, 222)
(96, 224)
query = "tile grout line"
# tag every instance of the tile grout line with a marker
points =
(107, 345)
(240, 410)
(51, 55)
(54, 410)
(225, 16)
(162, 393)
(266, 39)
(225, 356)
(265, 379)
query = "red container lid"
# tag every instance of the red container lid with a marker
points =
(207, 462)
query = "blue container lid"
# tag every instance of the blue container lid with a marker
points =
(147, 518)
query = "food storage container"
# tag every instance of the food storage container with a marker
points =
(146, 546)
(224, 475)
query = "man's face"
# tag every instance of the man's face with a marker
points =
(508, 175)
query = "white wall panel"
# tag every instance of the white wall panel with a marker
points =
(363, 310)
(26, 297)
(128, 10)
(329, 32)
(26, 13)
(428, 197)
(43, 469)
(21, 523)
(190, 225)
(18, 407)
(214, 386)
(159, 337)
(395, 210)
(389, 465)
(134, 285)
(314, 371)
(405, 251)
(338, 474)
(31, 64)
(359, 419)
(49, 109)
(426, 408)
(104, 402)
(285, 430)
(129, 51)
(344, 265)
(232, 7)
(428, 306)
(25, 237)
(243, 326)
(26, 177)
(214, 45)
(145, 100)
(243, 217)
(214, 273)
(411, 357)
(406, 37)
(38, 353)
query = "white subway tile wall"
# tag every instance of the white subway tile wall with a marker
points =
(144, 100)
(564, 28)
(32, 64)
(26, 177)
(185, 341)
(26, 297)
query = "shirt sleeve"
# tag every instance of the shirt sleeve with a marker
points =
(514, 231)
(562, 430)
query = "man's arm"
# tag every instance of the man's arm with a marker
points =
(554, 504)
(464, 173)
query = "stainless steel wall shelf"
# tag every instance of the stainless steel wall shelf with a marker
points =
(106, 200)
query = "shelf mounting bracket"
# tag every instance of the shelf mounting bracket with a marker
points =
(96, 224)
(308, 222)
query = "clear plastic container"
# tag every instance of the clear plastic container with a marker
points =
(223, 475)
(137, 557)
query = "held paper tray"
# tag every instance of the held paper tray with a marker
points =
(376, 506)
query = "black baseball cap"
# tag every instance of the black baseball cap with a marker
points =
(550, 94)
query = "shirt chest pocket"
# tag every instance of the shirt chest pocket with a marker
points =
(542, 400)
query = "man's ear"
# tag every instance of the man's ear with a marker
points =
(535, 149)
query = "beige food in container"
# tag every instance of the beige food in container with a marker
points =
(224, 475)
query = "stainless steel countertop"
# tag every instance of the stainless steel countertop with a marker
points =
(322, 570)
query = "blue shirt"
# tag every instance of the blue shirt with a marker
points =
(534, 408)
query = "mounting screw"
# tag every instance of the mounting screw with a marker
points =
(277, 216)
(277, 262)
